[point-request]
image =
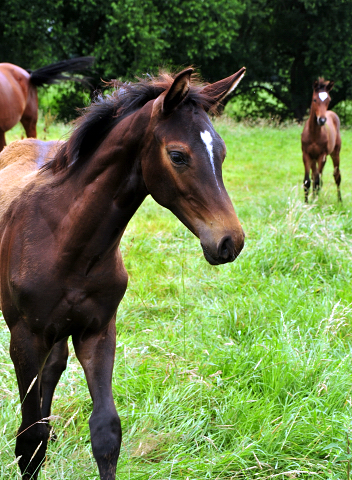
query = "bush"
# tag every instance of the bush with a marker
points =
(64, 101)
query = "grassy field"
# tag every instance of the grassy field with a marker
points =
(242, 371)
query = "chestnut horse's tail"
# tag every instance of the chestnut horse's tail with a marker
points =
(54, 73)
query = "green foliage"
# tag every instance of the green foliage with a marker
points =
(241, 371)
(63, 101)
(285, 45)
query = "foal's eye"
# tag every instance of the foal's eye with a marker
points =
(178, 158)
(314, 99)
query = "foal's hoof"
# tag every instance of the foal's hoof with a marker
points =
(52, 434)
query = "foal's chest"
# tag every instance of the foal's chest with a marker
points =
(316, 149)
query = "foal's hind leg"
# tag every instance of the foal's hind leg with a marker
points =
(335, 155)
(54, 366)
(96, 353)
(306, 180)
(28, 354)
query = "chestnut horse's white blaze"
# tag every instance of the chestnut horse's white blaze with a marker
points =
(208, 142)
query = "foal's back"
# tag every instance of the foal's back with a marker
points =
(19, 165)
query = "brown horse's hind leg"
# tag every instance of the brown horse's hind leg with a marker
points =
(2, 140)
(96, 354)
(337, 175)
(54, 366)
(28, 355)
(30, 126)
(30, 114)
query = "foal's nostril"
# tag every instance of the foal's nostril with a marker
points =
(226, 248)
(321, 121)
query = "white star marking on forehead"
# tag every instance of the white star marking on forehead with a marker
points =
(323, 96)
(208, 142)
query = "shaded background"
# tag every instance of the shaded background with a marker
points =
(285, 45)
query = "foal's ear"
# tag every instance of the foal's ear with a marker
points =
(219, 90)
(178, 91)
(329, 86)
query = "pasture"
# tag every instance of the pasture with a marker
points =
(241, 371)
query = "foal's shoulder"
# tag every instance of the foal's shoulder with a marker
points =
(334, 118)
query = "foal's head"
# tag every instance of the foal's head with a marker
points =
(182, 164)
(321, 99)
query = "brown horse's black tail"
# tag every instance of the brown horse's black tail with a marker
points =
(54, 73)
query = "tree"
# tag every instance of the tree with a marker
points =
(285, 44)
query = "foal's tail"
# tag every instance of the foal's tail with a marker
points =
(54, 73)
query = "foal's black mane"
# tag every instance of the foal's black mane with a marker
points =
(107, 111)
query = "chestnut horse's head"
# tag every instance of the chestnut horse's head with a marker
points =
(321, 99)
(182, 164)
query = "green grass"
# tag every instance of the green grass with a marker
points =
(242, 371)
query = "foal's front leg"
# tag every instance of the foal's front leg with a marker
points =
(28, 353)
(315, 178)
(96, 354)
(54, 366)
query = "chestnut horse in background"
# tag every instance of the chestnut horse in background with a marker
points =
(18, 92)
(61, 269)
(321, 137)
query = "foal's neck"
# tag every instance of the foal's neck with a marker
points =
(106, 191)
(314, 128)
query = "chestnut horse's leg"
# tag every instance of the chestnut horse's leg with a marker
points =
(54, 366)
(2, 140)
(30, 126)
(96, 354)
(30, 114)
(335, 155)
(306, 180)
(28, 353)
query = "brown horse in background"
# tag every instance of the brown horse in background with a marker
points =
(61, 269)
(321, 137)
(18, 92)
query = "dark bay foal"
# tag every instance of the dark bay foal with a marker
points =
(61, 269)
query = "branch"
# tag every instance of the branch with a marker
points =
(245, 90)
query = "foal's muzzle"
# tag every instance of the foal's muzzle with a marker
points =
(321, 121)
(227, 250)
